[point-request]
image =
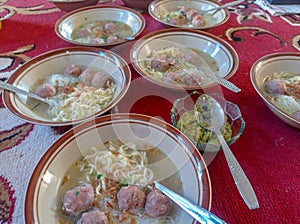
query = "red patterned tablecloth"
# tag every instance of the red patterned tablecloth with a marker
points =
(268, 150)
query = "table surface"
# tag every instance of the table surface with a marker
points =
(268, 149)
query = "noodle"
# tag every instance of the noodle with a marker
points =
(82, 102)
(124, 163)
(288, 101)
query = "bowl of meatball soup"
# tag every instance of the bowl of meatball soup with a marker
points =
(100, 25)
(188, 14)
(104, 170)
(276, 79)
(79, 83)
(182, 59)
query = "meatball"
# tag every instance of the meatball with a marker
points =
(96, 79)
(73, 70)
(98, 40)
(110, 26)
(160, 64)
(198, 21)
(93, 217)
(178, 21)
(276, 86)
(87, 75)
(101, 80)
(296, 115)
(131, 197)
(172, 77)
(111, 39)
(84, 32)
(192, 57)
(191, 14)
(78, 200)
(157, 204)
(45, 90)
(193, 79)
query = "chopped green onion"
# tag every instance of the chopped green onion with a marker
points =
(35, 106)
(124, 183)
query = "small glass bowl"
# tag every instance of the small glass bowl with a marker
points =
(209, 142)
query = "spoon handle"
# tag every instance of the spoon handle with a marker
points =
(126, 37)
(229, 4)
(229, 85)
(197, 212)
(15, 89)
(240, 178)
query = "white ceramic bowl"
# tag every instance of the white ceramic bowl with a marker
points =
(70, 5)
(157, 8)
(224, 55)
(67, 23)
(55, 62)
(47, 178)
(268, 65)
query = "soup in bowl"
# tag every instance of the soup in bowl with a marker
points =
(80, 82)
(182, 59)
(80, 164)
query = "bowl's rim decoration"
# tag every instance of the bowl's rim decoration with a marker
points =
(253, 74)
(154, 3)
(169, 31)
(98, 7)
(226, 105)
(8, 97)
(33, 187)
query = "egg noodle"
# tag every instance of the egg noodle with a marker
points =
(288, 77)
(124, 163)
(291, 102)
(82, 102)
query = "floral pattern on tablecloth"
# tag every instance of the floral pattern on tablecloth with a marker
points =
(23, 144)
(9, 11)
(7, 201)
(13, 132)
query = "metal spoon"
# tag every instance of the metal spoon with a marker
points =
(210, 115)
(125, 37)
(214, 77)
(15, 89)
(197, 212)
(204, 67)
(222, 81)
(221, 7)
